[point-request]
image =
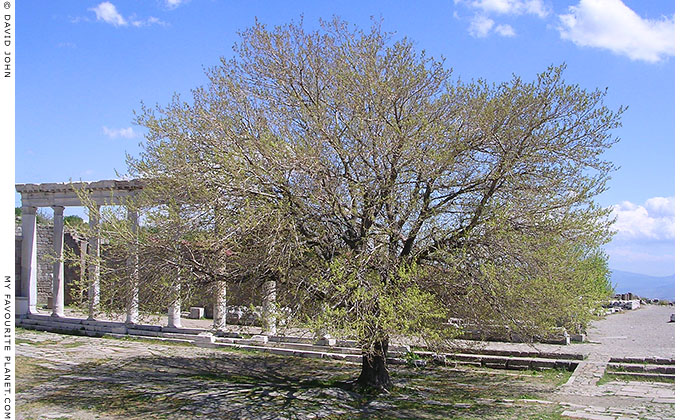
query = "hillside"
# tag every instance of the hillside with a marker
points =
(644, 285)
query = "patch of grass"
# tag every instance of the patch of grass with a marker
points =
(149, 340)
(605, 378)
(239, 383)
(557, 376)
(40, 343)
(610, 377)
(30, 373)
(633, 378)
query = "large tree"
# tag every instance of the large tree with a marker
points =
(383, 196)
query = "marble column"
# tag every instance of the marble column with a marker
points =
(268, 308)
(58, 265)
(133, 270)
(174, 309)
(220, 311)
(29, 257)
(94, 261)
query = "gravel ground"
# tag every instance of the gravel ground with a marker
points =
(643, 332)
(84, 378)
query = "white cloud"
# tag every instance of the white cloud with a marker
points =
(113, 133)
(480, 26)
(171, 4)
(631, 254)
(107, 12)
(505, 30)
(653, 220)
(611, 25)
(510, 7)
(147, 22)
(661, 206)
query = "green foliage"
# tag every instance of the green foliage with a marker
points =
(382, 196)
(43, 217)
(74, 221)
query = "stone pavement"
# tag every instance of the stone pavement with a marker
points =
(642, 333)
(645, 332)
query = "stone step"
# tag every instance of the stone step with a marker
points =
(522, 353)
(161, 339)
(47, 317)
(61, 329)
(95, 328)
(293, 352)
(292, 346)
(646, 375)
(646, 368)
(56, 326)
(500, 362)
(308, 347)
(339, 343)
(643, 360)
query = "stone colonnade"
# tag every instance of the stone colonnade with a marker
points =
(58, 196)
(101, 193)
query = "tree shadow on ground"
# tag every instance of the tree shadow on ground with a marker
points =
(255, 386)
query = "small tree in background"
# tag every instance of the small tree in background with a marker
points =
(379, 194)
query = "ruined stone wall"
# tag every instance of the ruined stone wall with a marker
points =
(44, 266)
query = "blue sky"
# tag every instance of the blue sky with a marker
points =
(84, 67)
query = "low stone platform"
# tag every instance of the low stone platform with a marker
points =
(627, 358)
(302, 346)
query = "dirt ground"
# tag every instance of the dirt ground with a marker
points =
(73, 377)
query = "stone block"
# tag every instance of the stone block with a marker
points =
(196, 312)
(205, 337)
(21, 306)
(260, 338)
(518, 364)
(326, 340)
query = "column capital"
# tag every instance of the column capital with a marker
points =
(29, 210)
(58, 209)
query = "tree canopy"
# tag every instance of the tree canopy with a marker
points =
(382, 195)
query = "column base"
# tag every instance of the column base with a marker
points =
(21, 305)
(326, 341)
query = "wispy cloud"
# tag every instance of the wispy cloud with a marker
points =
(107, 13)
(147, 22)
(480, 26)
(505, 30)
(483, 22)
(509, 7)
(611, 25)
(655, 219)
(630, 254)
(114, 133)
(171, 4)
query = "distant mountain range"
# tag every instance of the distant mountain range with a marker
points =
(644, 285)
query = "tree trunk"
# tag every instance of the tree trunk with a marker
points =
(375, 369)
